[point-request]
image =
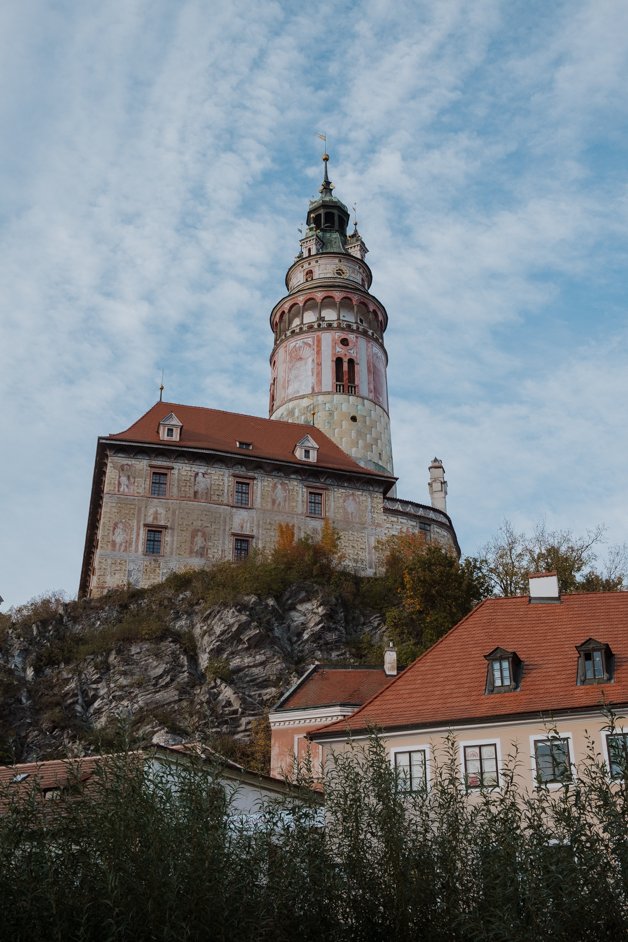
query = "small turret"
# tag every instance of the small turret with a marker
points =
(438, 485)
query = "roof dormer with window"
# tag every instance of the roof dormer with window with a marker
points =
(595, 662)
(503, 674)
(306, 449)
(170, 428)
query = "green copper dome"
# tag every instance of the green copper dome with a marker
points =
(328, 216)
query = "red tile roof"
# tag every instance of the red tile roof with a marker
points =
(220, 431)
(447, 683)
(328, 685)
(52, 773)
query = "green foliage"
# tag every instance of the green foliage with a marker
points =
(218, 669)
(126, 855)
(433, 590)
(509, 558)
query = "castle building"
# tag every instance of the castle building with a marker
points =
(185, 486)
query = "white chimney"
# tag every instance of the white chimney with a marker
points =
(544, 587)
(438, 485)
(390, 660)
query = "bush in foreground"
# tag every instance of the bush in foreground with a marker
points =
(138, 857)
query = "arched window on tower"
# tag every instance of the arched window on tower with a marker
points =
(340, 375)
(330, 220)
(351, 377)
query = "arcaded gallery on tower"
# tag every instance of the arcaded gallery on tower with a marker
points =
(185, 486)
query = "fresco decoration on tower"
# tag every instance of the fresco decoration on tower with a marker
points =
(300, 376)
(328, 358)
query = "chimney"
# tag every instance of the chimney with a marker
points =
(544, 587)
(390, 660)
(438, 485)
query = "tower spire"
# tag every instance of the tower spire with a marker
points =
(327, 186)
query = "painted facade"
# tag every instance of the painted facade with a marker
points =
(186, 486)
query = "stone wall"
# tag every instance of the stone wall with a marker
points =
(359, 426)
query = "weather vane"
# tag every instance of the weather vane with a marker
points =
(323, 138)
(162, 387)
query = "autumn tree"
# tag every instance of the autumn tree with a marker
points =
(507, 560)
(433, 590)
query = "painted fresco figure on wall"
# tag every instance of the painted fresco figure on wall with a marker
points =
(199, 543)
(379, 378)
(201, 485)
(125, 479)
(120, 537)
(279, 495)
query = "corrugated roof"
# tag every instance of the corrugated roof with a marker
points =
(328, 685)
(447, 684)
(221, 431)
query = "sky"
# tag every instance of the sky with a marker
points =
(157, 159)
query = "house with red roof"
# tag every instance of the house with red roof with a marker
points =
(185, 485)
(531, 676)
(324, 694)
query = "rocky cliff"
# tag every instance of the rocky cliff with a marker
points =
(76, 677)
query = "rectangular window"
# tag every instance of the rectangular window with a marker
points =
(552, 760)
(154, 542)
(242, 494)
(169, 432)
(594, 665)
(411, 769)
(617, 745)
(315, 503)
(159, 484)
(501, 672)
(241, 547)
(480, 766)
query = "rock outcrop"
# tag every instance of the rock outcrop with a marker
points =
(79, 679)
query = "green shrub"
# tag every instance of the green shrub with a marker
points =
(126, 857)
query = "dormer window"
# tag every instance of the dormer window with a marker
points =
(246, 446)
(170, 428)
(595, 662)
(503, 672)
(306, 449)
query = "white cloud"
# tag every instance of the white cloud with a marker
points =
(159, 158)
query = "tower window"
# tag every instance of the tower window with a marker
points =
(340, 375)
(351, 376)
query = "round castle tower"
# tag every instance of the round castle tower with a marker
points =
(328, 365)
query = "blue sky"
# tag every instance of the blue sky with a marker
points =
(157, 160)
